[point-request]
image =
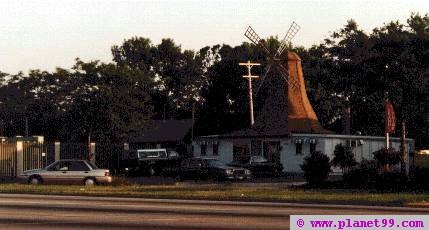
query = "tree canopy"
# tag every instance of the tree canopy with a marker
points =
(106, 101)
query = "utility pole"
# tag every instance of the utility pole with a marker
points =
(193, 121)
(386, 117)
(249, 76)
(405, 164)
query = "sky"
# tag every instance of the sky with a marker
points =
(47, 34)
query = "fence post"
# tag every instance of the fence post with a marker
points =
(19, 157)
(57, 149)
(92, 152)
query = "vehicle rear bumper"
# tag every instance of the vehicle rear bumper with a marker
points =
(104, 179)
(236, 177)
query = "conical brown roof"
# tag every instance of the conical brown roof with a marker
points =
(295, 116)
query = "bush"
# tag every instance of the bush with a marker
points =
(392, 180)
(343, 157)
(419, 177)
(364, 175)
(387, 157)
(316, 168)
(367, 176)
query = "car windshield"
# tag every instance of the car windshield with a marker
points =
(151, 154)
(93, 166)
(215, 163)
(173, 154)
(258, 159)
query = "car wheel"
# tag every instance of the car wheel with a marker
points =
(179, 178)
(89, 182)
(34, 180)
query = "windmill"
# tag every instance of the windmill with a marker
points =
(275, 58)
(286, 108)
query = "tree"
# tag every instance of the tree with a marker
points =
(316, 168)
(109, 102)
(343, 157)
(387, 157)
(179, 75)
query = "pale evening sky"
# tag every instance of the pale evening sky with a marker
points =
(48, 34)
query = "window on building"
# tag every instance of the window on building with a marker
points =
(272, 151)
(240, 153)
(349, 143)
(312, 147)
(256, 147)
(216, 149)
(298, 148)
(203, 149)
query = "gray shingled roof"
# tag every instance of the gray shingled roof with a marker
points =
(163, 131)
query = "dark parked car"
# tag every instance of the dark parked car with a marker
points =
(259, 166)
(207, 168)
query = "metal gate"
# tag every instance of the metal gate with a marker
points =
(108, 155)
(74, 151)
(7, 159)
(34, 156)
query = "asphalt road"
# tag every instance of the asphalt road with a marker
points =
(72, 212)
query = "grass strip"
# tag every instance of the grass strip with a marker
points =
(219, 192)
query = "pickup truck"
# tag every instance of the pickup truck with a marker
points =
(153, 162)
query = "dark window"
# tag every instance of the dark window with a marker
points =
(216, 149)
(349, 143)
(203, 149)
(60, 166)
(53, 166)
(312, 147)
(240, 153)
(256, 147)
(78, 166)
(298, 147)
(93, 166)
(272, 151)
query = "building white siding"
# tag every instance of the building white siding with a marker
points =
(362, 146)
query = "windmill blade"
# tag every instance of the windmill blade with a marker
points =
(255, 39)
(262, 80)
(290, 34)
(285, 74)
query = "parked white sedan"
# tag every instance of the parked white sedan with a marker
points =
(67, 172)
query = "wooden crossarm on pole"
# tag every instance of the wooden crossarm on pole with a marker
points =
(249, 76)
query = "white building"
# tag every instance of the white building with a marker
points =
(290, 150)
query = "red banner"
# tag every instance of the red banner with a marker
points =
(390, 118)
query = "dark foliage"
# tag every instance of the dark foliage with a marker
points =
(343, 157)
(419, 178)
(364, 175)
(316, 167)
(393, 181)
(386, 157)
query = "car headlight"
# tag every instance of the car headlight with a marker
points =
(229, 171)
(247, 172)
